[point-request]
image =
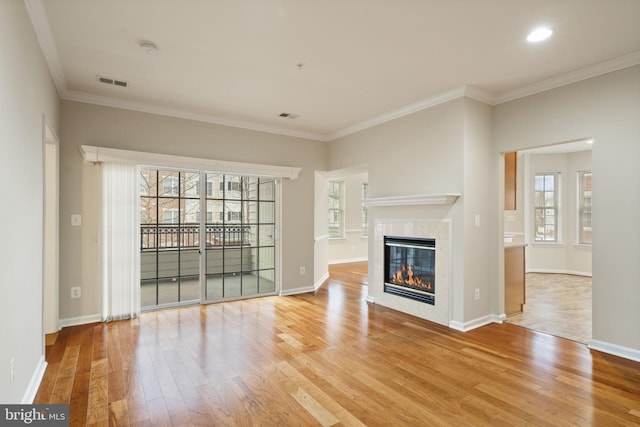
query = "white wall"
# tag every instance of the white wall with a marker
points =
(605, 108)
(438, 150)
(86, 124)
(353, 246)
(565, 256)
(28, 95)
(480, 213)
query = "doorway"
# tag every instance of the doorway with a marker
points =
(552, 219)
(236, 234)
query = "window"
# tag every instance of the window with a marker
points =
(170, 216)
(546, 207)
(231, 216)
(170, 185)
(365, 210)
(336, 209)
(231, 186)
(584, 207)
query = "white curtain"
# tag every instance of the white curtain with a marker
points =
(119, 247)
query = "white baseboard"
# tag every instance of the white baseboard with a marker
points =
(296, 291)
(616, 350)
(321, 281)
(81, 320)
(547, 271)
(371, 299)
(476, 323)
(348, 260)
(34, 384)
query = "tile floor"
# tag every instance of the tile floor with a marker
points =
(557, 304)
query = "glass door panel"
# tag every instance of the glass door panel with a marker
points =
(169, 237)
(238, 233)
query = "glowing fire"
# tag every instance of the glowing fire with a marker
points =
(410, 279)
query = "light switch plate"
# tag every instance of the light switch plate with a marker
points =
(76, 220)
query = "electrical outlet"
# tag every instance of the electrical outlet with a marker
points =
(477, 220)
(477, 294)
(12, 369)
(302, 270)
(76, 292)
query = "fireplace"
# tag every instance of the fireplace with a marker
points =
(409, 268)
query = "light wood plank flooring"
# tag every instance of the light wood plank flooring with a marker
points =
(329, 358)
(557, 304)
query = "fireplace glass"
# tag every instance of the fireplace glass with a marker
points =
(409, 268)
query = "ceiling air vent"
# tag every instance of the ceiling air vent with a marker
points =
(289, 116)
(112, 82)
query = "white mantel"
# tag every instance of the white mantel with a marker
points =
(421, 199)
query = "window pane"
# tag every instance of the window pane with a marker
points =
(190, 184)
(148, 182)
(217, 185)
(168, 183)
(549, 183)
(266, 233)
(267, 189)
(539, 183)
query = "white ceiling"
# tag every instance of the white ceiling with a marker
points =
(235, 62)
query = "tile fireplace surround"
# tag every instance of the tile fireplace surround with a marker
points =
(440, 230)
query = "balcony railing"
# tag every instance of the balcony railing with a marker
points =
(174, 236)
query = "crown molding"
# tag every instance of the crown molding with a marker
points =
(575, 76)
(39, 20)
(40, 23)
(144, 107)
(396, 114)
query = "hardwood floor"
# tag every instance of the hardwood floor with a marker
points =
(330, 358)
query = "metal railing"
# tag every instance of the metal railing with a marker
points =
(174, 236)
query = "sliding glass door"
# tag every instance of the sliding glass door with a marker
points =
(237, 235)
(240, 241)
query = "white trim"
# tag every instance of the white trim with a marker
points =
(144, 107)
(370, 299)
(93, 154)
(548, 271)
(320, 282)
(34, 384)
(476, 323)
(441, 98)
(296, 291)
(40, 23)
(422, 199)
(81, 320)
(323, 237)
(353, 230)
(348, 260)
(615, 349)
(575, 76)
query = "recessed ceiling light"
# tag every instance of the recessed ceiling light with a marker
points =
(539, 34)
